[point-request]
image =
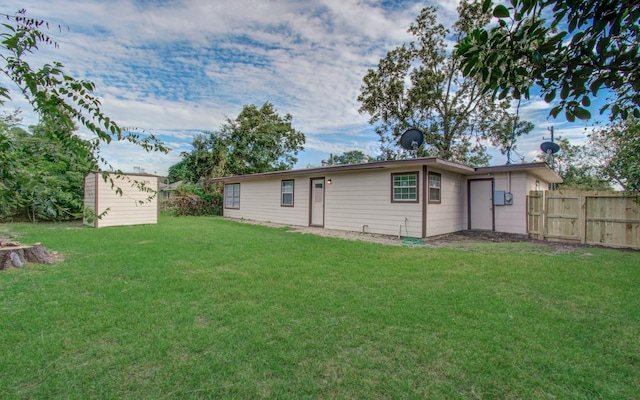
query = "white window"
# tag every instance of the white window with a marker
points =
(286, 199)
(232, 195)
(435, 183)
(404, 187)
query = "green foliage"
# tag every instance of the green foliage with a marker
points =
(419, 85)
(258, 140)
(510, 128)
(617, 145)
(42, 172)
(578, 167)
(60, 100)
(190, 199)
(178, 172)
(350, 157)
(585, 47)
(581, 178)
(50, 91)
(205, 161)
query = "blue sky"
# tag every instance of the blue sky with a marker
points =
(178, 67)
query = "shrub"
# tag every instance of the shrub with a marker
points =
(191, 200)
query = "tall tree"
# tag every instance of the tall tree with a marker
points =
(178, 171)
(44, 180)
(350, 157)
(257, 140)
(584, 47)
(578, 167)
(260, 140)
(617, 146)
(55, 96)
(419, 85)
(206, 160)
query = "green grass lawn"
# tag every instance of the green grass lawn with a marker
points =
(209, 308)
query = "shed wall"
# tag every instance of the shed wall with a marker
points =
(130, 208)
(90, 195)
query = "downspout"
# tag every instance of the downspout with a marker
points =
(425, 182)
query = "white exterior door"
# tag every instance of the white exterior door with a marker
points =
(317, 202)
(481, 204)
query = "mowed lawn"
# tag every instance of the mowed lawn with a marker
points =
(209, 308)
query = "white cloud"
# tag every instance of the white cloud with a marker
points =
(176, 68)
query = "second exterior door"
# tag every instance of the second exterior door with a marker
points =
(481, 204)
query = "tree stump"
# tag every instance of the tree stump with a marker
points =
(13, 254)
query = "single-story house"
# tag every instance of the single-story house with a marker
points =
(419, 197)
(120, 198)
(167, 190)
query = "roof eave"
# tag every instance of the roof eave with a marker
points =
(447, 165)
(539, 169)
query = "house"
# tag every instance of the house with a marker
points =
(420, 197)
(168, 190)
(130, 205)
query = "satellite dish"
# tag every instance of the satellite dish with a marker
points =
(411, 139)
(550, 147)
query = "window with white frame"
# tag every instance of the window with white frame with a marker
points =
(232, 195)
(286, 198)
(435, 187)
(404, 187)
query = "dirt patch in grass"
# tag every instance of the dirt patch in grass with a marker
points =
(462, 240)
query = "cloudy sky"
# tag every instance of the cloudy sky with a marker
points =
(180, 67)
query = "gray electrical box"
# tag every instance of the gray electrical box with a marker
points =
(502, 198)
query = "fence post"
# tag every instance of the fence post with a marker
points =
(583, 218)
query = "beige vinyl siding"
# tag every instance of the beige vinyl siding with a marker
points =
(448, 216)
(90, 195)
(260, 201)
(354, 200)
(125, 209)
(531, 184)
(361, 199)
(512, 218)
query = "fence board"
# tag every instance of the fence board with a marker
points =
(603, 218)
(563, 217)
(612, 221)
(535, 215)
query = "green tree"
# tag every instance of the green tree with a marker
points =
(178, 171)
(350, 157)
(419, 85)
(44, 180)
(577, 167)
(512, 129)
(584, 47)
(257, 140)
(206, 160)
(59, 99)
(260, 140)
(617, 146)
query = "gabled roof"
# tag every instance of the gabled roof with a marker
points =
(170, 186)
(539, 169)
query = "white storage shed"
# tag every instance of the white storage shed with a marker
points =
(122, 197)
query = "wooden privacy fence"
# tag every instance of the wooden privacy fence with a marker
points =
(603, 218)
